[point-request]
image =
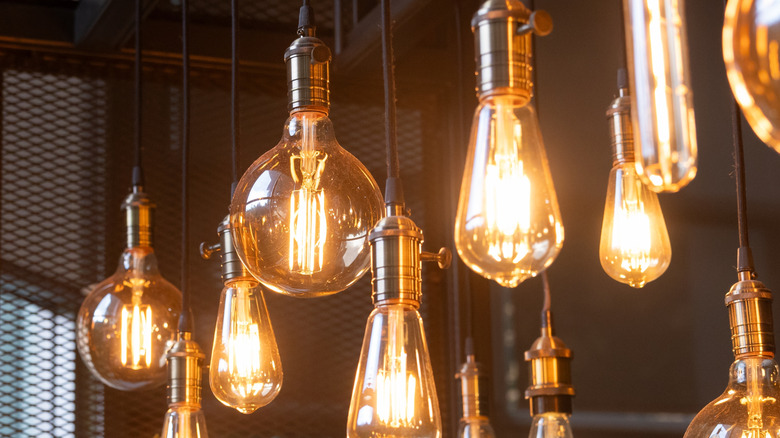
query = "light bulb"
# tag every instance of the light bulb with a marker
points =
(634, 247)
(751, 46)
(475, 427)
(245, 371)
(302, 212)
(508, 225)
(550, 425)
(184, 421)
(663, 115)
(127, 322)
(394, 394)
(748, 408)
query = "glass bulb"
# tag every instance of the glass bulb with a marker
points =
(302, 212)
(394, 393)
(748, 408)
(508, 225)
(751, 50)
(550, 425)
(662, 99)
(634, 246)
(127, 323)
(245, 371)
(184, 421)
(475, 427)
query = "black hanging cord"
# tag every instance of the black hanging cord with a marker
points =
(547, 306)
(138, 173)
(744, 255)
(234, 96)
(185, 320)
(393, 189)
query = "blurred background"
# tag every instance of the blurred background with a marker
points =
(645, 361)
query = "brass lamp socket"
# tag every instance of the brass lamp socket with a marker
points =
(230, 263)
(139, 219)
(549, 366)
(185, 362)
(308, 62)
(749, 303)
(620, 130)
(473, 384)
(503, 47)
(396, 265)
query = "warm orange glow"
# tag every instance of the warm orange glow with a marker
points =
(136, 330)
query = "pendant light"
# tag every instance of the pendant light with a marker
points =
(126, 323)
(302, 212)
(748, 408)
(245, 371)
(473, 390)
(634, 247)
(508, 226)
(394, 392)
(662, 100)
(751, 39)
(184, 418)
(549, 369)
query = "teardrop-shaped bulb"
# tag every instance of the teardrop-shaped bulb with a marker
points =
(394, 393)
(634, 246)
(302, 212)
(751, 46)
(245, 371)
(508, 224)
(184, 421)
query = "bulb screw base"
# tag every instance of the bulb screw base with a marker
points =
(502, 31)
(232, 267)
(749, 304)
(473, 383)
(549, 365)
(139, 218)
(308, 61)
(185, 362)
(620, 129)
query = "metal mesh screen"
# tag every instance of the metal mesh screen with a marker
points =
(66, 156)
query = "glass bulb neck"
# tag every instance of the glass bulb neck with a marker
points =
(549, 366)
(749, 304)
(308, 63)
(503, 55)
(185, 362)
(139, 219)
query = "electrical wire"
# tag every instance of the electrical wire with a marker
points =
(547, 304)
(185, 320)
(138, 174)
(394, 195)
(234, 102)
(744, 257)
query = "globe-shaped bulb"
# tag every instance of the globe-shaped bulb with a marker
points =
(302, 212)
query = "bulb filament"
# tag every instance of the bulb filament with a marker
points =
(136, 326)
(308, 225)
(244, 351)
(631, 235)
(396, 387)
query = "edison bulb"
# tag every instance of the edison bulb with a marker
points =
(184, 421)
(748, 408)
(127, 323)
(302, 212)
(394, 393)
(634, 247)
(751, 51)
(663, 115)
(508, 225)
(245, 371)
(550, 425)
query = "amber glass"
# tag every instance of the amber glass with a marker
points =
(508, 225)
(550, 425)
(245, 371)
(127, 323)
(302, 212)
(184, 421)
(751, 50)
(662, 100)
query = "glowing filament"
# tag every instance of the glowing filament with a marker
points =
(396, 388)
(507, 193)
(136, 330)
(631, 236)
(244, 352)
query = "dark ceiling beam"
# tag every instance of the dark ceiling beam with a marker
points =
(29, 21)
(105, 25)
(362, 50)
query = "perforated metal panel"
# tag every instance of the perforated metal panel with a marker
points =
(66, 153)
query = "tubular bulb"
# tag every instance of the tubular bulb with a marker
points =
(508, 225)
(550, 425)
(663, 115)
(394, 393)
(245, 371)
(751, 51)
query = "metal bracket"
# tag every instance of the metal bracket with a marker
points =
(443, 257)
(540, 23)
